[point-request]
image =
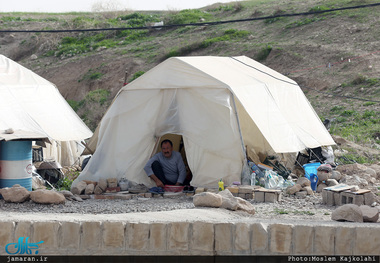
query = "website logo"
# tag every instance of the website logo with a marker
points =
(22, 247)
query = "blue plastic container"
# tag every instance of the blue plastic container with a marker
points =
(311, 174)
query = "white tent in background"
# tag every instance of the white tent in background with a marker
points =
(221, 106)
(33, 108)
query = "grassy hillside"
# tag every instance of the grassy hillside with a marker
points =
(333, 56)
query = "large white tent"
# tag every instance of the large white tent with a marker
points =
(222, 106)
(33, 108)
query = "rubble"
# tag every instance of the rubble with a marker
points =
(15, 194)
(43, 196)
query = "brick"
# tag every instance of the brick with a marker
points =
(202, 238)
(138, 236)
(23, 229)
(367, 241)
(47, 232)
(178, 237)
(303, 240)
(259, 196)
(70, 232)
(260, 238)
(324, 240)
(280, 238)
(158, 237)
(223, 238)
(242, 237)
(113, 235)
(344, 240)
(6, 233)
(91, 234)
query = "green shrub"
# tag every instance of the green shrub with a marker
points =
(230, 34)
(136, 75)
(264, 53)
(98, 96)
(188, 16)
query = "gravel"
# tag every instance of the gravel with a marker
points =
(291, 207)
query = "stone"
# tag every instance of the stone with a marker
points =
(223, 238)
(113, 235)
(157, 236)
(202, 238)
(332, 182)
(6, 233)
(89, 189)
(228, 200)
(343, 240)
(15, 194)
(369, 198)
(301, 194)
(367, 241)
(242, 238)
(303, 240)
(178, 237)
(293, 189)
(138, 236)
(43, 196)
(67, 194)
(321, 187)
(303, 181)
(370, 214)
(112, 182)
(281, 238)
(259, 238)
(308, 190)
(324, 237)
(246, 206)
(91, 236)
(70, 237)
(208, 199)
(79, 188)
(336, 175)
(46, 231)
(323, 176)
(98, 190)
(102, 184)
(347, 212)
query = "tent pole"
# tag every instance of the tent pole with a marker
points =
(238, 124)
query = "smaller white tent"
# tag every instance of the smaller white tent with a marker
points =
(221, 106)
(33, 108)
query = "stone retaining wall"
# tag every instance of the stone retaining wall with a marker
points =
(194, 238)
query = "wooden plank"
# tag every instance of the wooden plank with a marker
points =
(361, 191)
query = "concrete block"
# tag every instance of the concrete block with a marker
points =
(245, 189)
(148, 195)
(158, 237)
(324, 240)
(324, 196)
(259, 239)
(344, 240)
(280, 238)
(330, 198)
(303, 240)
(337, 199)
(367, 241)
(223, 238)
(23, 229)
(248, 196)
(138, 236)
(350, 198)
(242, 238)
(113, 235)
(48, 232)
(202, 241)
(259, 196)
(91, 236)
(178, 237)
(369, 198)
(241, 195)
(271, 197)
(6, 233)
(70, 235)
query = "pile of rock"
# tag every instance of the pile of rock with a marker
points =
(301, 189)
(19, 194)
(355, 213)
(90, 187)
(223, 199)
